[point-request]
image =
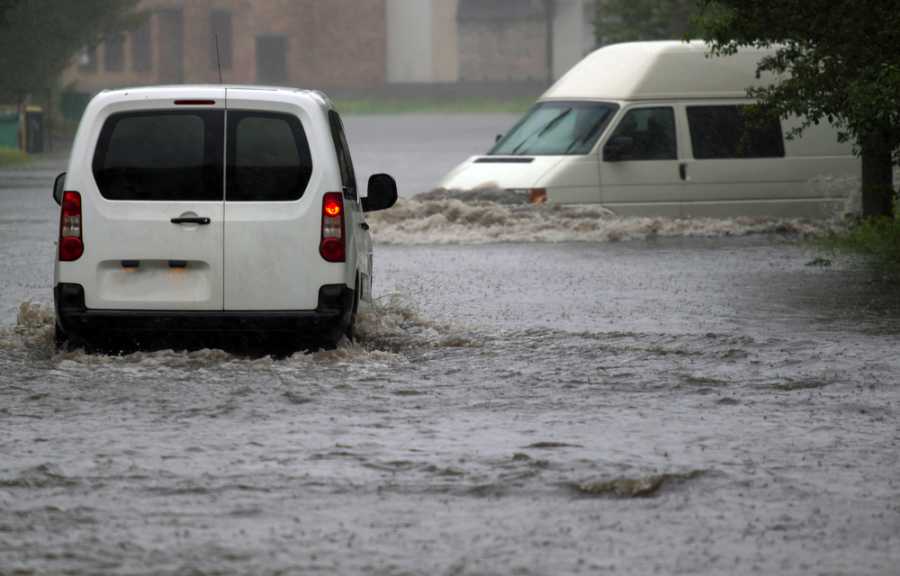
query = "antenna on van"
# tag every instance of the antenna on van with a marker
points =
(218, 60)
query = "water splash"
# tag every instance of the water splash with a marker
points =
(386, 330)
(444, 217)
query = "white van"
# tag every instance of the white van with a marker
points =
(661, 128)
(209, 210)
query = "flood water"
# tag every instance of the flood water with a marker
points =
(537, 390)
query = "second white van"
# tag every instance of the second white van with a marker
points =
(662, 128)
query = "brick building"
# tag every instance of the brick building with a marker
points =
(340, 45)
(333, 44)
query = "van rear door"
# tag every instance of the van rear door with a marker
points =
(273, 213)
(153, 211)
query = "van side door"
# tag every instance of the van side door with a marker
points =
(640, 171)
(273, 205)
(737, 164)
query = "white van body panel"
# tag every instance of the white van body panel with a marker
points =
(271, 249)
(499, 172)
(817, 176)
(116, 231)
(666, 70)
(573, 179)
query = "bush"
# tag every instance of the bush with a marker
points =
(876, 239)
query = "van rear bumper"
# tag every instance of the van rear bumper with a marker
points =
(326, 323)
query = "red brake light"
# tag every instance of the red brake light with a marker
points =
(333, 208)
(71, 246)
(332, 246)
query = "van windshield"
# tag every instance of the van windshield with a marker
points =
(556, 129)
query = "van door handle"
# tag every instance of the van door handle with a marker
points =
(364, 226)
(682, 170)
(202, 220)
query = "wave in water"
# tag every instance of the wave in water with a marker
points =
(385, 330)
(446, 217)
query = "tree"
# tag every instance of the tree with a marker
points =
(630, 20)
(834, 60)
(38, 39)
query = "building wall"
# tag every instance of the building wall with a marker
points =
(502, 40)
(409, 41)
(334, 44)
(573, 33)
(422, 41)
(354, 44)
(445, 34)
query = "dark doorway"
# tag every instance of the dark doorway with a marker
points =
(271, 60)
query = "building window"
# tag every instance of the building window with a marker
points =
(115, 53)
(220, 28)
(87, 59)
(271, 59)
(141, 48)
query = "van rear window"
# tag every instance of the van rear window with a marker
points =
(268, 157)
(163, 155)
(733, 132)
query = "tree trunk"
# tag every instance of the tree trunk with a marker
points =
(877, 176)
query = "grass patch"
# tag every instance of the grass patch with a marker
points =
(434, 105)
(12, 157)
(876, 239)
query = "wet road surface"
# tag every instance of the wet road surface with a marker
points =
(635, 396)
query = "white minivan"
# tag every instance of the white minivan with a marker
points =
(663, 128)
(210, 210)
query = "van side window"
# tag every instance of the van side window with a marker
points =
(342, 149)
(163, 155)
(268, 157)
(652, 132)
(730, 132)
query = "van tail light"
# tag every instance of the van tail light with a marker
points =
(71, 246)
(332, 246)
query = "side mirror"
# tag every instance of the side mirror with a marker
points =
(498, 138)
(618, 148)
(59, 186)
(382, 193)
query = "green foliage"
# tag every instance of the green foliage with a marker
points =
(835, 61)
(38, 38)
(631, 20)
(877, 239)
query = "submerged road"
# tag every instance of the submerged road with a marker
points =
(656, 397)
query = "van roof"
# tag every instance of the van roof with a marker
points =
(660, 70)
(183, 90)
